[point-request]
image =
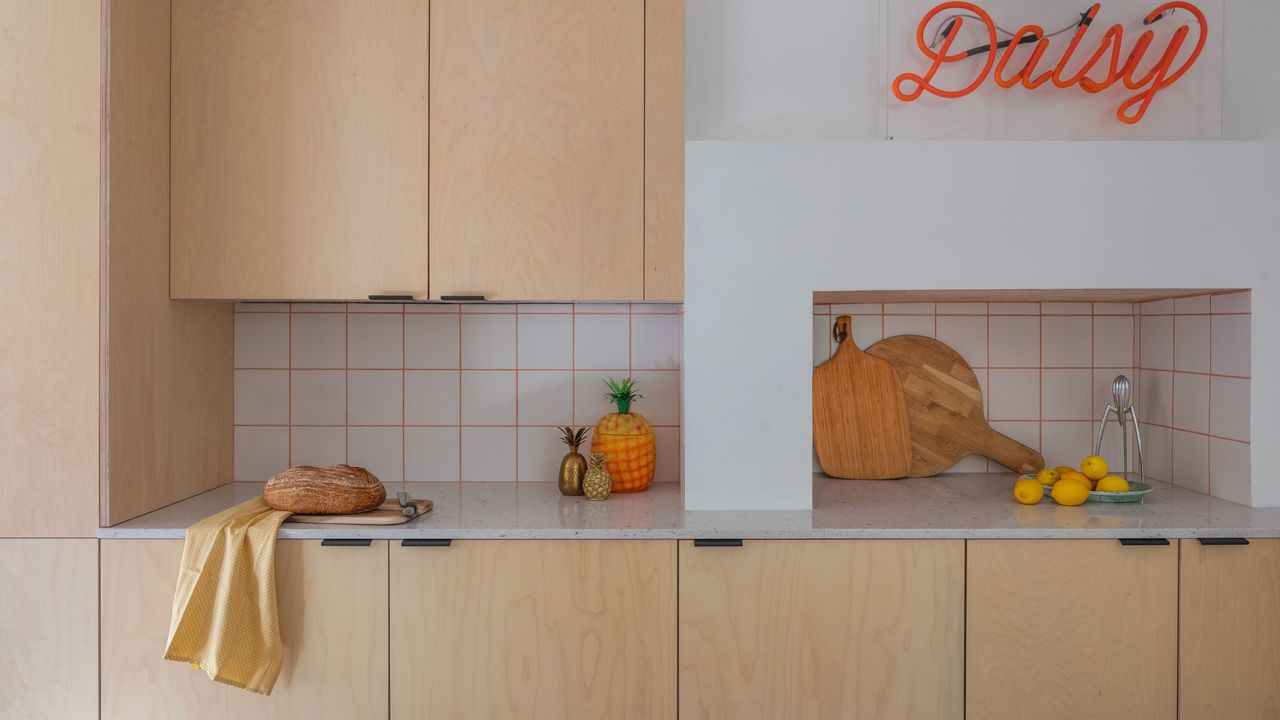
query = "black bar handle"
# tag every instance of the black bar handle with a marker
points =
(426, 542)
(346, 542)
(1144, 541)
(391, 298)
(1224, 541)
(462, 298)
(717, 542)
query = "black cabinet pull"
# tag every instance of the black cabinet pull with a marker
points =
(1224, 541)
(462, 298)
(346, 542)
(1144, 541)
(427, 542)
(391, 298)
(717, 542)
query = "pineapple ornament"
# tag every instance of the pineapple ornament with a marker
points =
(597, 484)
(626, 439)
(573, 467)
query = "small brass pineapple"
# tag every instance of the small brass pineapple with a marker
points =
(573, 467)
(597, 483)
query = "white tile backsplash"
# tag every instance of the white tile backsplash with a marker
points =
(546, 342)
(261, 397)
(1191, 343)
(602, 342)
(488, 342)
(1232, 345)
(318, 340)
(375, 341)
(431, 341)
(319, 446)
(262, 340)
(380, 450)
(909, 325)
(431, 454)
(488, 454)
(318, 397)
(432, 397)
(1014, 341)
(375, 397)
(651, 348)
(1066, 341)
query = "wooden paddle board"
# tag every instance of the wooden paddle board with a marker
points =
(859, 415)
(388, 513)
(944, 406)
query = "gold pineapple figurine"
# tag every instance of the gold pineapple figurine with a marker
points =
(573, 467)
(597, 483)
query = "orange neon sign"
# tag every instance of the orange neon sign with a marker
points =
(1161, 75)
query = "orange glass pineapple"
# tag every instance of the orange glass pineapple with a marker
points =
(626, 440)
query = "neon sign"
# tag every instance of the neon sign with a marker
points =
(1160, 76)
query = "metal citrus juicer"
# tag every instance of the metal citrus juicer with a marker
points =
(1121, 406)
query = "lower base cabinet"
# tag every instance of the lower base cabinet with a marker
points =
(333, 619)
(1229, 631)
(1069, 629)
(534, 629)
(822, 629)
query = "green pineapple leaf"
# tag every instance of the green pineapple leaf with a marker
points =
(622, 394)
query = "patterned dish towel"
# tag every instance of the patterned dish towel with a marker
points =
(225, 619)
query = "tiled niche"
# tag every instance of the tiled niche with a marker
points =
(432, 392)
(1046, 370)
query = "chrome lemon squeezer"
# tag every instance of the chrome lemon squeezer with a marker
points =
(1121, 406)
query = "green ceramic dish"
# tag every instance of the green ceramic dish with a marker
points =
(1136, 491)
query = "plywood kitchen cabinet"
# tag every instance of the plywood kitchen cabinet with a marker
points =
(1065, 629)
(333, 619)
(299, 137)
(822, 629)
(534, 628)
(1229, 631)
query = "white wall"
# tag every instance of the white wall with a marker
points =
(768, 223)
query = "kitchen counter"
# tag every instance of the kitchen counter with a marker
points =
(948, 506)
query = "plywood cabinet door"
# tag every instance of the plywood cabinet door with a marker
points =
(537, 185)
(333, 619)
(1229, 630)
(822, 629)
(534, 629)
(1067, 629)
(299, 148)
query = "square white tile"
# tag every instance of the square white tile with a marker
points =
(1110, 308)
(667, 440)
(822, 342)
(867, 330)
(318, 340)
(543, 308)
(261, 397)
(1113, 341)
(1157, 452)
(602, 342)
(589, 402)
(1067, 341)
(1191, 461)
(375, 307)
(432, 397)
(319, 397)
(970, 464)
(488, 341)
(375, 341)
(546, 397)
(1232, 344)
(488, 397)
(858, 309)
(378, 450)
(671, 308)
(1157, 307)
(1015, 395)
(1238, 302)
(1191, 402)
(661, 402)
(1066, 308)
(540, 454)
(1155, 397)
(964, 308)
(1191, 343)
(1014, 308)
(546, 342)
(1027, 433)
(1066, 394)
(909, 325)
(264, 307)
(260, 452)
(1229, 408)
(319, 446)
(967, 334)
(909, 309)
(431, 341)
(1193, 304)
(261, 340)
(431, 454)
(489, 454)
(655, 342)
(1155, 341)
(1015, 341)
(375, 397)
(318, 307)
(1230, 471)
(1067, 443)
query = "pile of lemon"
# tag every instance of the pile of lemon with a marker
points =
(1067, 485)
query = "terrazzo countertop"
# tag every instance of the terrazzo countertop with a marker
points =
(948, 506)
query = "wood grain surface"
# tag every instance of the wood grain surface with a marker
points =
(1069, 629)
(664, 149)
(1229, 631)
(534, 629)
(860, 421)
(847, 629)
(538, 149)
(944, 407)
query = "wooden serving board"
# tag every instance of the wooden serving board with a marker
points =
(944, 407)
(859, 416)
(388, 513)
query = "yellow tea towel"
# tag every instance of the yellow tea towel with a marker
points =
(224, 610)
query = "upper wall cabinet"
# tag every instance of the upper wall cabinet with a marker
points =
(299, 148)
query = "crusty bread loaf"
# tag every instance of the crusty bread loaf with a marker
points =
(333, 490)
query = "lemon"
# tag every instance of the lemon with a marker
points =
(1028, 491)
(1047, 476)
(1094, 467)
(1069, 493)
(1064, 469)
(1075, 477)
(1113, 483)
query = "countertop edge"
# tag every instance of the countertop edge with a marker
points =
(330, 532)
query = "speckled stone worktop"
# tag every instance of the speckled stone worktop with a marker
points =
(954, 506)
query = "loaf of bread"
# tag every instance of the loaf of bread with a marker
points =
(333, 490)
